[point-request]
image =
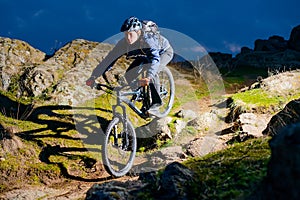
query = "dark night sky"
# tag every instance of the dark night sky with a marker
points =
(223, 26)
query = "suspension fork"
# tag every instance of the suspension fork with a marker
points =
(123, 116)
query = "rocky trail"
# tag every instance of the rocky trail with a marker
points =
(182, 145)
(144, 162)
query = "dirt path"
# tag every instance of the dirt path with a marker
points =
(72, 190)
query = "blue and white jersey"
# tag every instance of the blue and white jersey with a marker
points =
(148, 48)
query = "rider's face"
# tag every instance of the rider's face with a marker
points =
(131, 37)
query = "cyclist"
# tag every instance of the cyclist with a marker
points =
(149, 51)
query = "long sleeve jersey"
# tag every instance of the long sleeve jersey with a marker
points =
(148, 48)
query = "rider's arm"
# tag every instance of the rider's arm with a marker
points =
(153, 55)
(107, 63)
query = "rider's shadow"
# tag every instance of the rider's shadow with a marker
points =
(91, 127)
(54, 126)
(90, 165)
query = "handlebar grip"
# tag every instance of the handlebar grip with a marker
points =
(100, 86)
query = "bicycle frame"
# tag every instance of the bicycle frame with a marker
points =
(121, 98)
(120, 134)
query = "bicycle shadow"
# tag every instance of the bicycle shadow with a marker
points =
(53, 125)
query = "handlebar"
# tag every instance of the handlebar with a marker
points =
(100, 86)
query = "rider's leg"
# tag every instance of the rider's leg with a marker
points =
(165, 58)
(132, 72)
(154, 94)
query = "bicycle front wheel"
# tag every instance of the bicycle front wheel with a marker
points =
(166, 88)
(119, 147)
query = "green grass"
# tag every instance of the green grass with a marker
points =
(260, 99)
(23, 167)
(232, 173)
(51, 148)
(55, 143)
(233, 83)
(257, 97)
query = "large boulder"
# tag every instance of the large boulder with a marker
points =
(113, 190)
(15, 52)
(78, 53)
(252, 124)
(283, 173)
(15, 56)
(78, 59)
(37, 80)
(283, 84)
(174, 183)
(60, 77)
(204, 145)
(289, 115)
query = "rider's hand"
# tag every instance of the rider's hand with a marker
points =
(144, 82)
(90, 82)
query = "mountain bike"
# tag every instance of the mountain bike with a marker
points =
(120, 143)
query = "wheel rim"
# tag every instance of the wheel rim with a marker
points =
(119, 154)
(166, 91)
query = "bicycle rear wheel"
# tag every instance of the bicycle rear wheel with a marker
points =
(166, 88)
(119, 147)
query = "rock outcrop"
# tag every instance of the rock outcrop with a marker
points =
(59, 78)
(289, 115)
(174, 183)
(16, 57)
(273, 53)
(294, 40)
(282, 181)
